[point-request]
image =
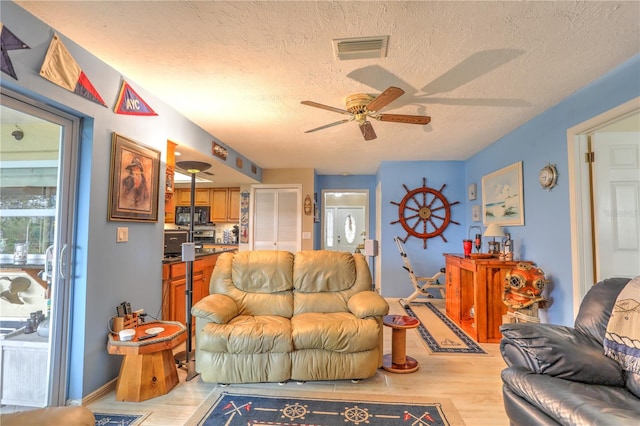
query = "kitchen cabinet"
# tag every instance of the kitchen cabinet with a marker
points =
(474, 294)
(225, 204)
(219, 200)
(183, 197)
(233, 210)
(174, 285)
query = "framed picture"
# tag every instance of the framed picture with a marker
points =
(133, 181)
(502, 198)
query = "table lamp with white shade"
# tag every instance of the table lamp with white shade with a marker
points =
(494, 230)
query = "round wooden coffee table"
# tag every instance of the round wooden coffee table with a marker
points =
(148, 369)
(398, 361)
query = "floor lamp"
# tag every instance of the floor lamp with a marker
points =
(186, 359)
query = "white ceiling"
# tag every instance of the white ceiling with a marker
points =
(240, 69)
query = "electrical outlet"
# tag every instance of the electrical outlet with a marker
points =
(306, 235)
(122, 235)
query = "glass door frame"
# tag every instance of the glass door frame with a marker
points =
(62, 280)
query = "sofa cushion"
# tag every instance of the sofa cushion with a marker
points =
(596, 307)
(263, 271)
(247, 334)
(632, 382)
(573, 403)
(320, 270)
(559, 351)
(253, 297)
(317, 364)
(338, 332)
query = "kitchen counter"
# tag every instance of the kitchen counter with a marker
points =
(202, 253)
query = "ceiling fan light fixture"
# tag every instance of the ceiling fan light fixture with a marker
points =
(360, 47)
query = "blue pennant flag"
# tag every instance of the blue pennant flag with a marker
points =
(9, 41)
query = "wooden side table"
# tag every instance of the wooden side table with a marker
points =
(148, 369)
(398, 361)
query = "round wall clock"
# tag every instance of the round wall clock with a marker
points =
(548, 176)
(424, 213)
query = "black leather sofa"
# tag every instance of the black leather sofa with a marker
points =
(560, 375)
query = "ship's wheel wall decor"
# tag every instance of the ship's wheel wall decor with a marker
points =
(424, 213)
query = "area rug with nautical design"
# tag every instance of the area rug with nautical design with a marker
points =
(119, 418)
(439, 333)
(249, 407)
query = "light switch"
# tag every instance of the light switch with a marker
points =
(123, 234)
(306, 235)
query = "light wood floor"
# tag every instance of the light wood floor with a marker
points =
(472, 382)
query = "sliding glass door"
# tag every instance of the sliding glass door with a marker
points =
(37, 195)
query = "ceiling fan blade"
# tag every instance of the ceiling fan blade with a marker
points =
(321, 106)
(346, 120)
(403, 118)
(391, 94)
(367, 131)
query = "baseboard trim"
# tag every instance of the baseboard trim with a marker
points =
(95, 395)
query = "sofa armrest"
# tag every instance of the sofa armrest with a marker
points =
(558, 351)
(218, 308)
(368, 304)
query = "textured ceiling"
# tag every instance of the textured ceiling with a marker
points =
(240, 69)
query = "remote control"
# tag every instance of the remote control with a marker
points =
(147, 336)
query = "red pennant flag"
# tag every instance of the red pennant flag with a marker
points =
(130, 103)
(60, 68)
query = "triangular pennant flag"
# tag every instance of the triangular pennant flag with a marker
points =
(9, 41)
(130, 103)
(60, 68)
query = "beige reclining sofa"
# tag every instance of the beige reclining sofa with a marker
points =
(273, 316)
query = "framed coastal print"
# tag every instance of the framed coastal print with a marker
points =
(502, 198)
(133, 182)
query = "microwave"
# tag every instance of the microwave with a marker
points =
(200, 215)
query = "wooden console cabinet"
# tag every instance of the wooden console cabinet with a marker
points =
(474, 294)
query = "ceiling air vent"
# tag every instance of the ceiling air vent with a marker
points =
(360, 47)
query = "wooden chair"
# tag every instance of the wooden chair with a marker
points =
(420, 284)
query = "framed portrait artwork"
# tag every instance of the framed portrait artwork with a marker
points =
(134, 181)
(502, 198)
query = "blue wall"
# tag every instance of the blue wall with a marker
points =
(368, 182)
(105, 273)
(108, 273)
(546, 236)
(426, 262)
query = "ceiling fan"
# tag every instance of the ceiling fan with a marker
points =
(362, 106)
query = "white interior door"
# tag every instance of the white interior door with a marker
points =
(616, 200)
(277, 222)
